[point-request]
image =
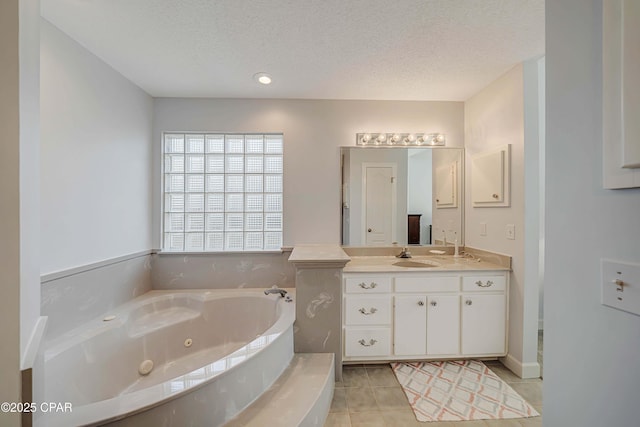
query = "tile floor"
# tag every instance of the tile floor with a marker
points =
(370, 396)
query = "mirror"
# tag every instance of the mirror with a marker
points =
(403, 195)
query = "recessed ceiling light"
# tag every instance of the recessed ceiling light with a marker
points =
(262, 78)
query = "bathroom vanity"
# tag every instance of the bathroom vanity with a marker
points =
(366, 305)
(455, 309)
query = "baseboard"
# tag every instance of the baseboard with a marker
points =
(523, 370)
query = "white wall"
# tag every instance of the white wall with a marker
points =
(29, 177)
(494, 117)
(591, 352)
(313, 131)
(96, 158)
(534, 129)
(10, 209)
(448, 221)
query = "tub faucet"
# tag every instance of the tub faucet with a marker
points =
(275, 290)
(404, 254)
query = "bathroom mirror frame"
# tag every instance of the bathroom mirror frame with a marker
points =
(443, 185)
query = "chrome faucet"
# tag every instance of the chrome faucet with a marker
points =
(404, 254)
(275, 290)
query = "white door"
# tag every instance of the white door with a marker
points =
(483, 324)
(379, 204)
(443, 325)
(410, 326)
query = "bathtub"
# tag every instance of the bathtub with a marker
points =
(213, 353)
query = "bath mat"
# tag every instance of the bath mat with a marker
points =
(459, 391)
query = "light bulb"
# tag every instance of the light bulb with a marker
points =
(381, 138)
(366, 138)
(262, 78)
(440, 138)
(395, 138)
(409, 139)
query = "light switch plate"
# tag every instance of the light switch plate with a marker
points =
(483, 228)
(510, 231)
(621, 285)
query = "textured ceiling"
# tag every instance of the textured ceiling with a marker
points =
(329, 49)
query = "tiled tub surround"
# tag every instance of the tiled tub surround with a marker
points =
(222, 270)
(73, 297)
(223, 346)
(318, 308)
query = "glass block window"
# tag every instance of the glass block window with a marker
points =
(222, 192)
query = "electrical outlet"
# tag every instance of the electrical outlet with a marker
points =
(483, 228)
(510, 231)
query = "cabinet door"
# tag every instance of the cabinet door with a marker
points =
(443, 325)
(410, 325)
(483, 324)
(490, 177)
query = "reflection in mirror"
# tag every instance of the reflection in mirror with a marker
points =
(408, 196)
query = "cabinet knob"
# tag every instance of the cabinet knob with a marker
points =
(495, 196)
(434, 303)
(468, 302)
(420, 303)
(369, 230)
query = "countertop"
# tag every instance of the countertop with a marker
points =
(445, 263)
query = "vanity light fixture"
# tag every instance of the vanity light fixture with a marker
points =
(364, 139)
(262, 78)
(400, 139)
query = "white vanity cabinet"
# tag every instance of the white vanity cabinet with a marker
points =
(484, 315)
(430, 315)
(426, 325)
(367, 315)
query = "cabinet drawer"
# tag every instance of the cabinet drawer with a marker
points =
(484, 283)
(367, 285)
(367, 342)
(366, 310)
(428, 284)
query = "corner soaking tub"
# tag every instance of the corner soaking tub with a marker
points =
(170, 358)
